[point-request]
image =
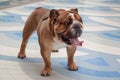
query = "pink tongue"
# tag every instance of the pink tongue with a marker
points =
(76, 42)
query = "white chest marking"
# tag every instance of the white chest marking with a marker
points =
(58, 44)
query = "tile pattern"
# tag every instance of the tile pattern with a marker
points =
(98, 59)
(11, 3)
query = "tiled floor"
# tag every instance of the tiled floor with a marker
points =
(98, 59)
(12, 3)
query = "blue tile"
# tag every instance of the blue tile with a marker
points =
(11, 18)
(114, 35)
(98, 73)
(17, 35)
(97, 61)
(93, 72)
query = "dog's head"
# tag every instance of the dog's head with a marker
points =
(66, 25)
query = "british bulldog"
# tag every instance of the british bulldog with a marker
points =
(56, 28)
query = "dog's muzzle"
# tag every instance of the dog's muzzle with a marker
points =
(71, 38)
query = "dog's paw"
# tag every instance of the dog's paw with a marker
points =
(46, 72)
(72, 67)
(55, 51)
(21, 56)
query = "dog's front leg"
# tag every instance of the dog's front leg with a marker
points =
(47, 68)
(70, 53)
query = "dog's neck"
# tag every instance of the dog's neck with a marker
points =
(50, 27)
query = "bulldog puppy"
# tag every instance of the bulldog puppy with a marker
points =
(56, 28)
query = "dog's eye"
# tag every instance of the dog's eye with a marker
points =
(67, 23)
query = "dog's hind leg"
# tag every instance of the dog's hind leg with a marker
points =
(55, 51)
(29, 28)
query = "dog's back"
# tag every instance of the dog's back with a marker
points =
(35, 17)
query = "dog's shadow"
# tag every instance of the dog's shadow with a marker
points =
(32, 68)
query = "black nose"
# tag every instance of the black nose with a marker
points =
(78, 29)
(76, 26)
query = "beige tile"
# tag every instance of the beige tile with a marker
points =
(12, 71)
(21, 77)
(5, 75)
(7, 79)
(3, 71)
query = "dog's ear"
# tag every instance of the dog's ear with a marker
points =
(53, 14)
(74, 10)
(53, 17)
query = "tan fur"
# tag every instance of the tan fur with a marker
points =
(46, 34)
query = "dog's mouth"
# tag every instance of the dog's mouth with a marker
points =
(72, 41)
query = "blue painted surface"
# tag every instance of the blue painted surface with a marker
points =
(65, 1)
(11, 18)
(82, 70)
(5, 2)
(17, 35)
(97, 61)
(111, 74)
(112, 35)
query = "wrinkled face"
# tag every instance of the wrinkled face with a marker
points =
(68, 26)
